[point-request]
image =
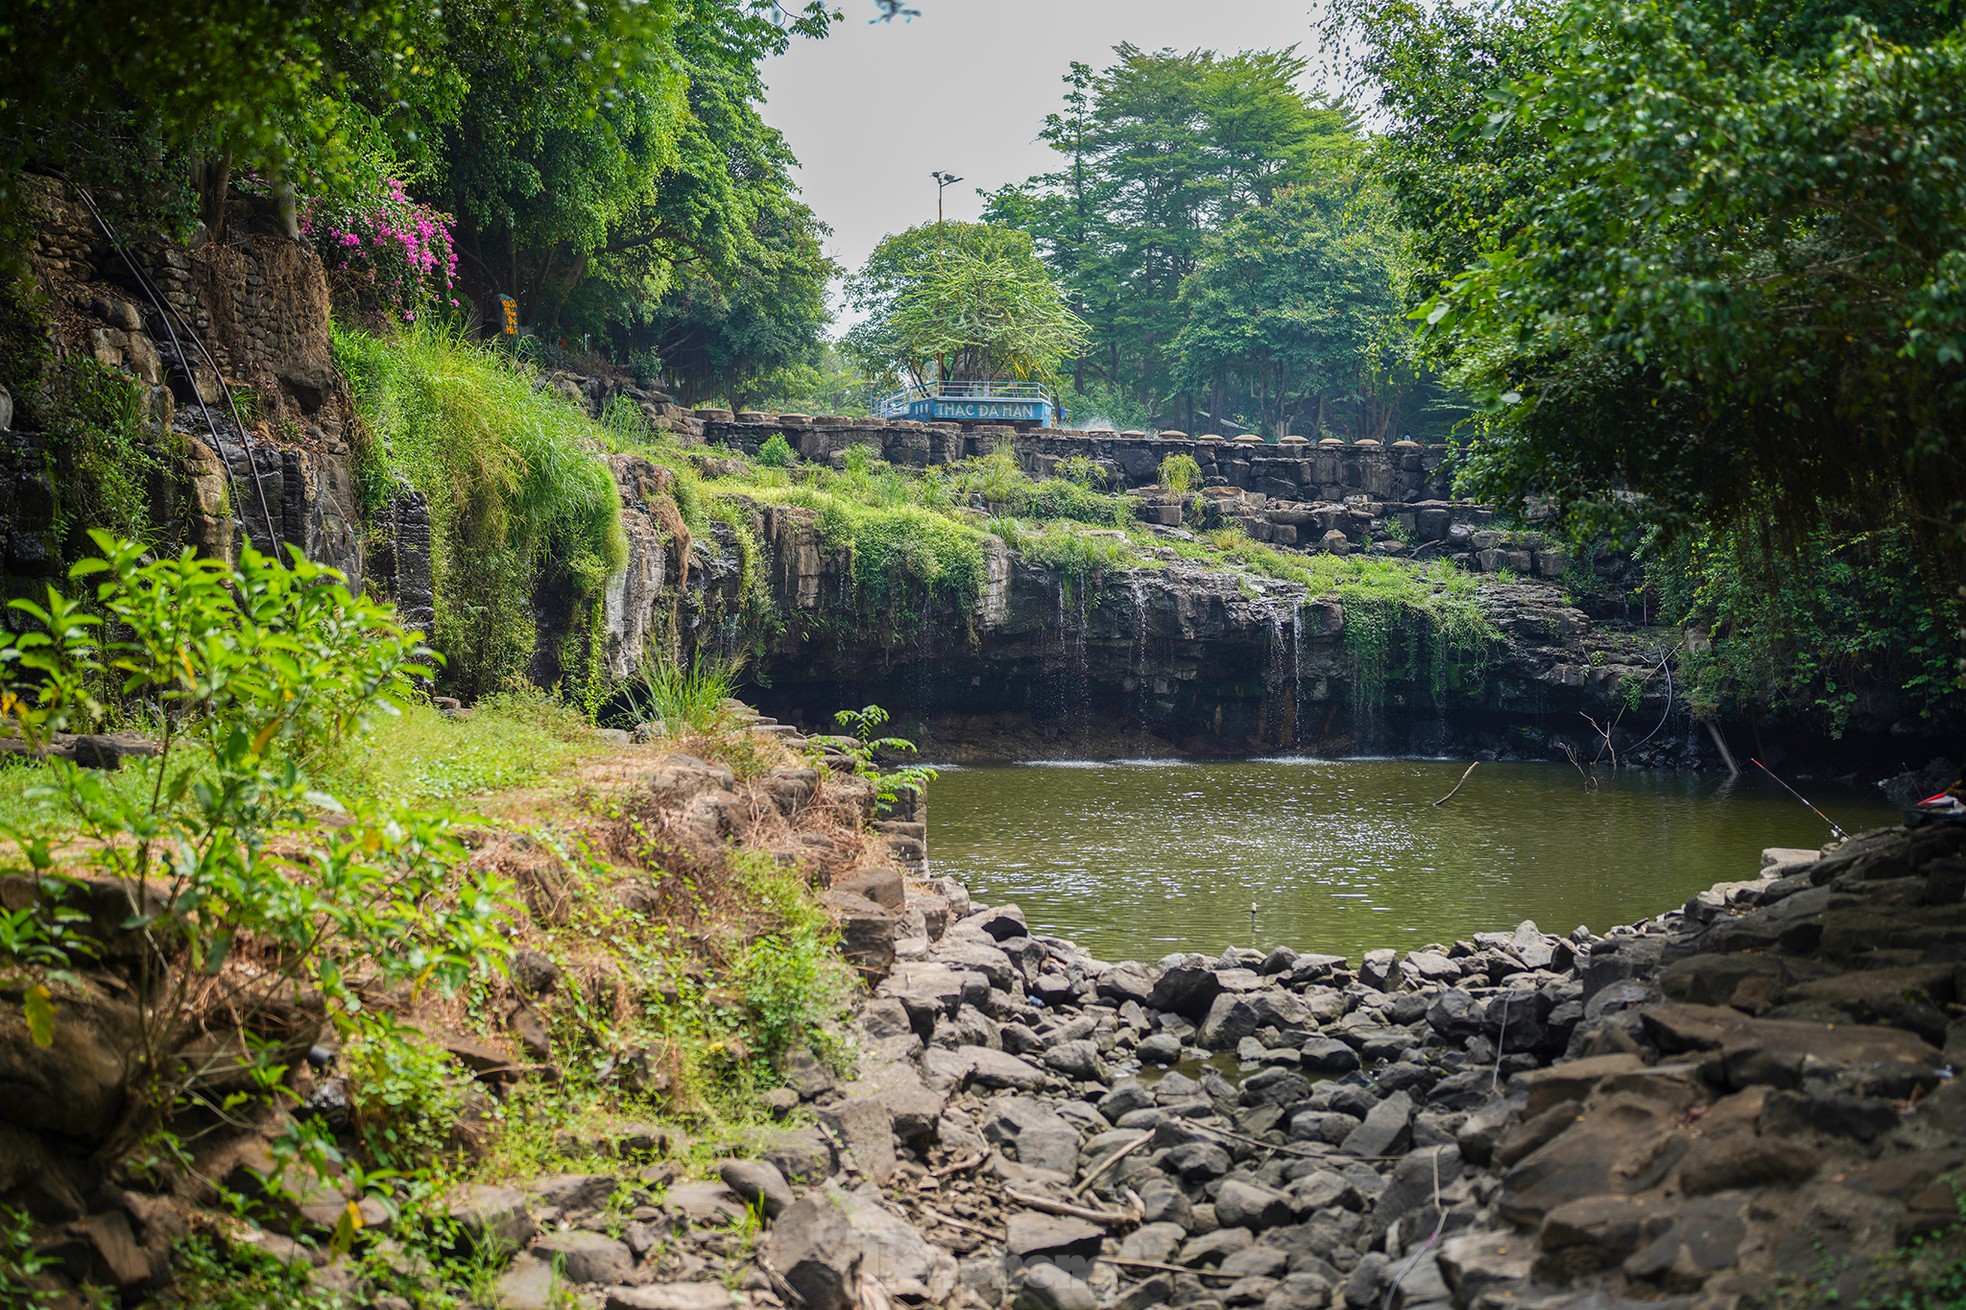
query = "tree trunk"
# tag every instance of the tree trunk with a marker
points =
(212, 179)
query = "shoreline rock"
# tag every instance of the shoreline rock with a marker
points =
(1677, 1111)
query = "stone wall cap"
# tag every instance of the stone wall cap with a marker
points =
(755, 416)
(1330, 441)
(1369, 443)
(1294, 441)
(1406, 443)
(800, 419)
(711, 415)
(1173, 434)
(1249, 439)
(1133, 432)
(1210, 436)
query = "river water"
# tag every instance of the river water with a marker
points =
(1135, 860)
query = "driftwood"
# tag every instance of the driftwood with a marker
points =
(1457, 786)
(1165, 1268)
(1092, 1176)
(962, 1166)
(963, 1224)
(1070, 1211)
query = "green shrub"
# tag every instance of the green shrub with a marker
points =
(402, 1095)
(1081, 471)
(777, 452)
(22, 1267)
(260, 671)
(681, 699)
(864, 748)
(1180, 474)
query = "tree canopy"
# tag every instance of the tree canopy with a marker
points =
(960, 300)
(1158, 151)
(604, 160)
(1708, 253)
(1293, 300)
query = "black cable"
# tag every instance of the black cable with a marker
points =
(1665, 662)
(164, 314)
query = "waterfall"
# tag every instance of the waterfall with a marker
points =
(1297, 671)
(1079, 684)
(923, 688)
(1279, 709)
(1142, 690)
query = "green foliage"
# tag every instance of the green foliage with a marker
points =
(106, 448)
(1155, 152)
(999, 482)
(1081, 471)
(831, 384)
(1767, 321)
(691, 699)
(1815, 637)
(777, 452)
(864, 748)
(896, 549)
(1290, 303)
(1180, 474)
(978, 305)
(402, 1094)
(422, 757)
(661, 212)
(789, 975)
(21, 1266)
(514, 483)
(259, 671)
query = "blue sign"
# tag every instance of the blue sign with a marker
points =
(981, 411)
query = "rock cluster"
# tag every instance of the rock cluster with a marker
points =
(1752, 1087)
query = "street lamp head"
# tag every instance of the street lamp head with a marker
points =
(944, 179)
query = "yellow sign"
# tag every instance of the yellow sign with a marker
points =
(508, 309)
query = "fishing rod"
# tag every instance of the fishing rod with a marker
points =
(1836, 831)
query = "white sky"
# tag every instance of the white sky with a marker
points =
(875, 107)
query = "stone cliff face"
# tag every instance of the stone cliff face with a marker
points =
(229, 345)
(1177, 657)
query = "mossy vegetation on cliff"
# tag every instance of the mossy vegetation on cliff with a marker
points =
(515, 485)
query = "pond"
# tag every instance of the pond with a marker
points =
(1133, 860)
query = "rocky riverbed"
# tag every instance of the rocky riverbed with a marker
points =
(1754, 1088)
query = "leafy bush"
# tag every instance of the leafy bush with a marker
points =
(1081, 471)
(681, 699)
(1800, 638)
(401, 1093)
(1180, 474)
(864, 748)
(515, 483)
(259, 671)
(777, 452)
(21, 1265)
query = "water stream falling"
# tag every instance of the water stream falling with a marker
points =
(1142, 683)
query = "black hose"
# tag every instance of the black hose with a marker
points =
(164, 314)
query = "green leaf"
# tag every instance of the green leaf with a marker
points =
(40, 1013)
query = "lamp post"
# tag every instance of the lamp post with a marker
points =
(942, 183)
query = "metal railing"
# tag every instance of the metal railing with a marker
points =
(897, 402)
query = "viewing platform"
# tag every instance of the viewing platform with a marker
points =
(955, 400)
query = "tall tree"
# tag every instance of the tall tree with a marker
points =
(1723, 267)
(1290, 303)
(960, 300)
(214, 89)
(586, 212)
(737, 331)
(1160, 149)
